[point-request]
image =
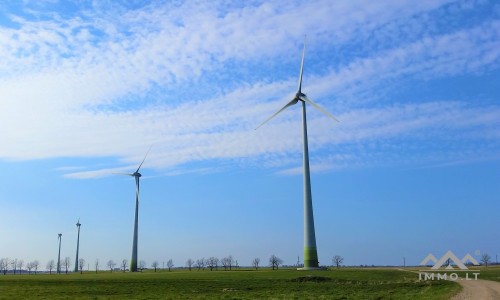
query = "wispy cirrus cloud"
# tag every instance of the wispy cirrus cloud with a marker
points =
(101, 83)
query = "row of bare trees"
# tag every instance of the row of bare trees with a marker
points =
(274, 262)
(111, 264)
(17, 265)
(228, 263)
(212, 263)
(65, 263)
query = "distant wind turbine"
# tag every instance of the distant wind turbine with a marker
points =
(59, 237)
(310, 250)
(77, 244)
(136, 175)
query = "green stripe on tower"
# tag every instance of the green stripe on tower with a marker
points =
(310, 257)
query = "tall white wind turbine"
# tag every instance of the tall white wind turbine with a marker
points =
(59, 237)
(77, 244)
(310, 250)
(136, 175)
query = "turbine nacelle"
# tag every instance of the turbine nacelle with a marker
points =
(299, 96)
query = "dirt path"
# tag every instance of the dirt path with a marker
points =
(475, 289)
(478, 290)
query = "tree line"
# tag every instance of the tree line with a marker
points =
(212, 263)
(16, 265)
(19, 266)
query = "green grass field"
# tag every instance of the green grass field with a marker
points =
(490, 273)
(345, 283)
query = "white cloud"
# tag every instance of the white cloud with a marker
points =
(84, 86)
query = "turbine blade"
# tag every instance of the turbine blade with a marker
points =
(305, 99)
(284, 107)
(302, 66)
(144, 159)
(129, 174)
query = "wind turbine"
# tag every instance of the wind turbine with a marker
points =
(136, 175)
(77, 244)
(310, 251)
(59, 237)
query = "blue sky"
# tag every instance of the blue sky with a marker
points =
(412, 167)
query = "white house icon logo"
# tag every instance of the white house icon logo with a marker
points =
(449, 256)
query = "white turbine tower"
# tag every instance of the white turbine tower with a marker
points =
(310, 251)
(59, 237)
(136, 175)
(77, 244)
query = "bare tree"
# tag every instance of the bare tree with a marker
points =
(29, 266)
(13, 263)
(200, 263)
(485, 258)
(448, 262)
(4, 265)
(96, 264)
(275, 261)
(225, 263)
(124, 264)
(81, 264)
(142, 265)
(67, 264)
(20, 264)
(50, 265)
(212, 262)
(189, 263)
(1, 265)
(170, 264)
(111, 264)
(256, 262)
(35, 265)
(155, 265)
(230, 261)
(337, 260)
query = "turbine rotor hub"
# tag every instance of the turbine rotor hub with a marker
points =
(298, 95)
